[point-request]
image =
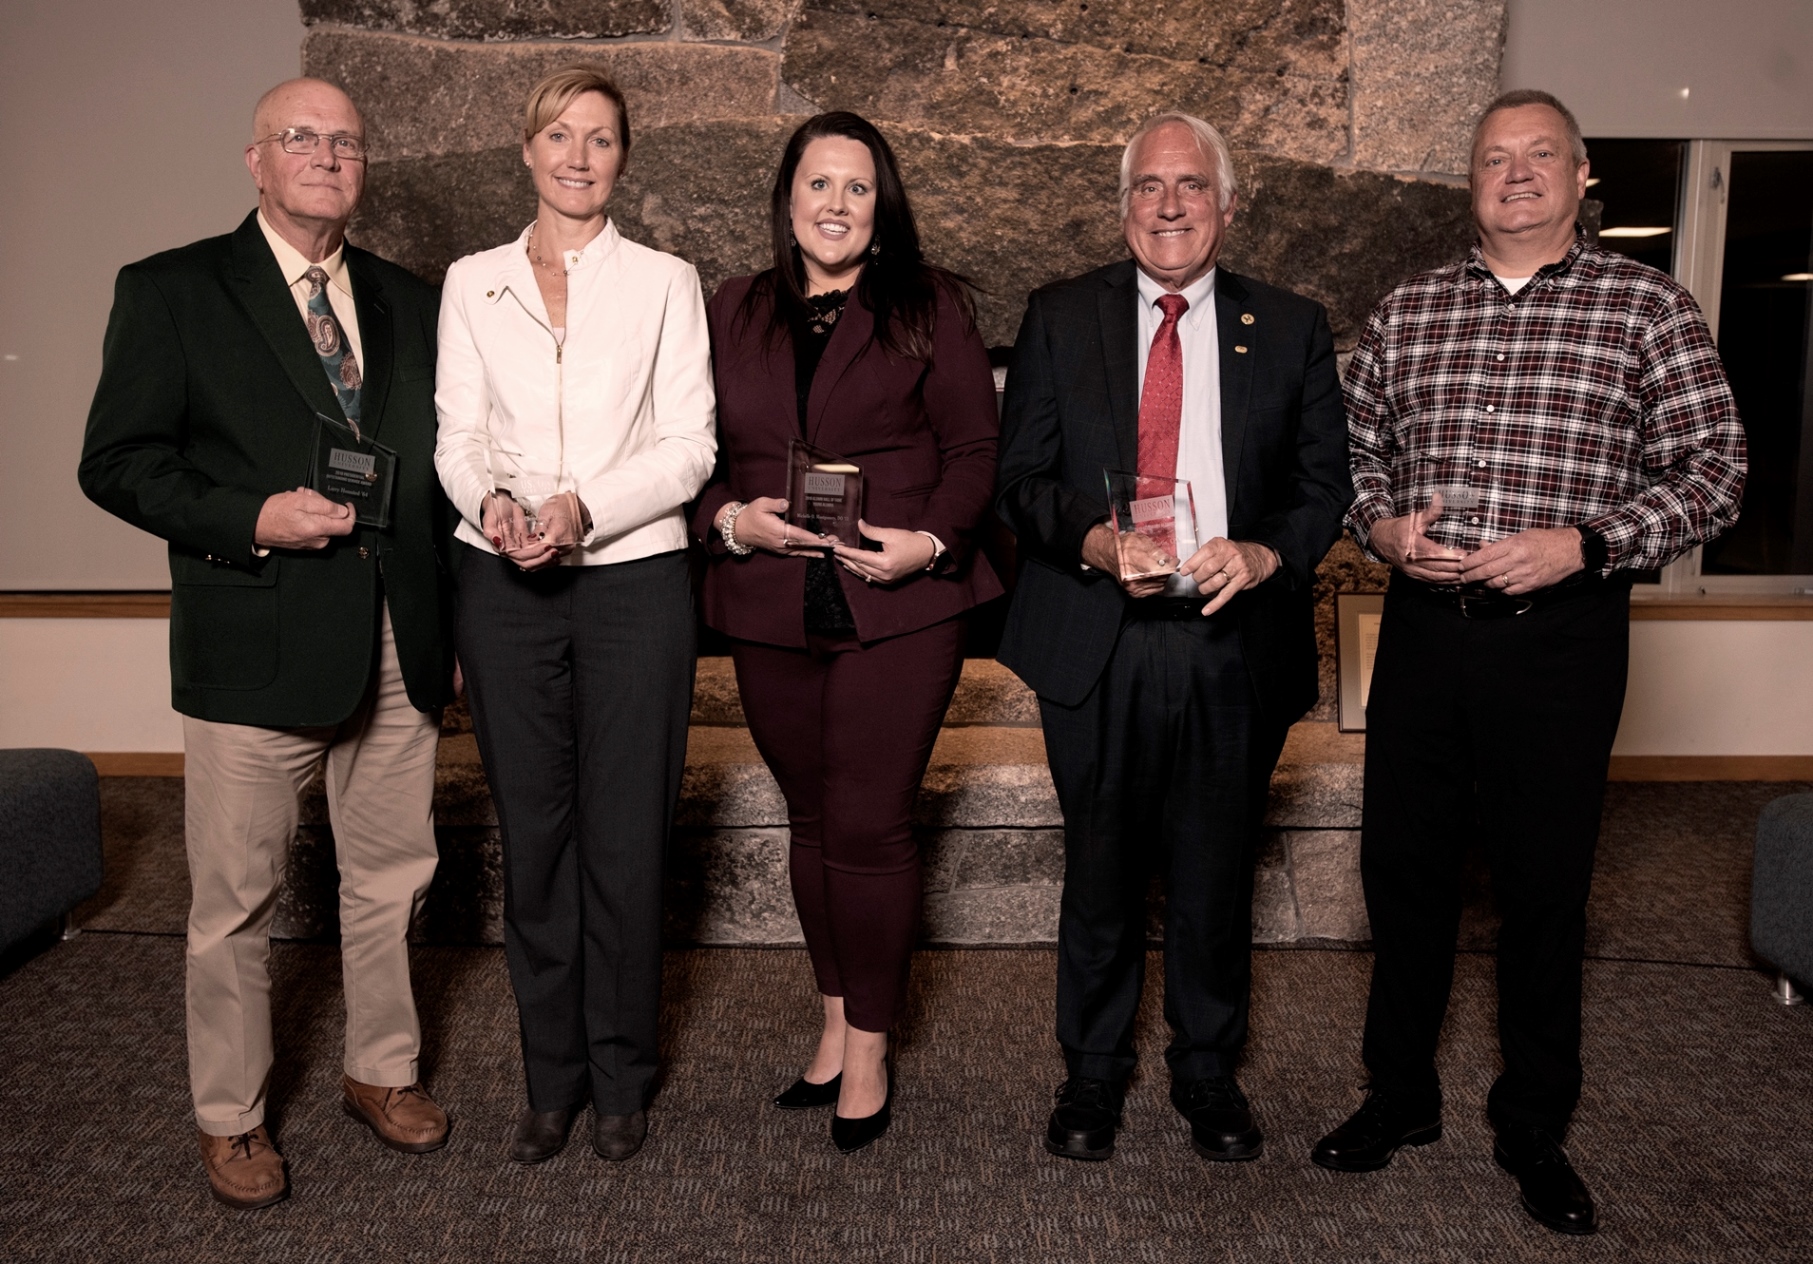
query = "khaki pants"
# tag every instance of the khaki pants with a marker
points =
(242, 784)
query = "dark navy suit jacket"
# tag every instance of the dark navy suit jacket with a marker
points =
(1072, 410)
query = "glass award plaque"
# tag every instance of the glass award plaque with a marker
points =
(1453, 497)
(1154, 522)
(824, 493)
(351, 470)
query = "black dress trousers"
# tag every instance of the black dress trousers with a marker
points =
(580, 681)
(1166, 766)
(1500, 731)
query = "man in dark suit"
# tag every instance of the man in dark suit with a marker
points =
(297, 634)
(1165, 701)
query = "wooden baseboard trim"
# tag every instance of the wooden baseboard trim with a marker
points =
(90, 605)
(137, 763)
(1712, 768)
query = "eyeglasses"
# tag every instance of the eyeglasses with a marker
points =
(300, 140)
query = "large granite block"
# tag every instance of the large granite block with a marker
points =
(955, 79)
(1422, 70)
(1342, 239)
(430, 96)
(1324, 868)
(755, 21)
(497, 19)
(1273, 36)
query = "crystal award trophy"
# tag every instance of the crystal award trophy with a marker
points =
(824, 493)
(1452, 499)
(1154, 527)
(350, 469)
(541, 497)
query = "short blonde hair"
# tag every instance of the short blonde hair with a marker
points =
(557, 91)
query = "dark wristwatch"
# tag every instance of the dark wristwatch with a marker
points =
(1593, 551)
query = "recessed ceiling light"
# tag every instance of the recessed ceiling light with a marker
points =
(1634, 232)
(1792, 276)
(1591, 181)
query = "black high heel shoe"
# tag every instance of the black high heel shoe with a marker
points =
(805, 1095)
(851, 1135)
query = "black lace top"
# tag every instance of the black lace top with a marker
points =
(827, 613)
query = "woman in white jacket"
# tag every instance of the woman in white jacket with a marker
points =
(576, 419)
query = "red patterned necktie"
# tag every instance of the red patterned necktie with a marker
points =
(1161, 398)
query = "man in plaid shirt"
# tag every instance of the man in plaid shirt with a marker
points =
(1526, 429)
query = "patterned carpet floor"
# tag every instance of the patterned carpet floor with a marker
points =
(1693, 1132)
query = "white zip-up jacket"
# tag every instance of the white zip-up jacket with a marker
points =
(622, 409)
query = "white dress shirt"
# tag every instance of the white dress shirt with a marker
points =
(339, 284)
(1199, 432)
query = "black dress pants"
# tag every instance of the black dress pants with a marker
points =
(1499, 731)
(580, 680)
(1165, 764)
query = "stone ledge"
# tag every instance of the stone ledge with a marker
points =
(428, 96)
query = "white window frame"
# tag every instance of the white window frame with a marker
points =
(1699, 263)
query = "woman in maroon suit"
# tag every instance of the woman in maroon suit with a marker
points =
(847, 651)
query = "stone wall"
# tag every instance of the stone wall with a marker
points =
(1349, 124)
(1348, 121)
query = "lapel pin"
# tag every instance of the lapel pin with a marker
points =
(1239, 350)
(1246, 318)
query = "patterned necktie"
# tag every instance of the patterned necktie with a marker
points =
(1161, 399)
(335, 351)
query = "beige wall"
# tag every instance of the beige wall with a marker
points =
(1671, 69)
(124, 122)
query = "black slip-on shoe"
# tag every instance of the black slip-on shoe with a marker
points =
(805, 1095)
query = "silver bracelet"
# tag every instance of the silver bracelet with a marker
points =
(728, 529)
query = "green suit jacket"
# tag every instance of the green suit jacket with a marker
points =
(206, 406)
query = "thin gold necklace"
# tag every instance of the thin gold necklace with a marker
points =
(535, 253)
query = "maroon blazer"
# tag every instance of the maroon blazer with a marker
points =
(924, 435)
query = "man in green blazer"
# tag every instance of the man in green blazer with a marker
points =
(298, 633)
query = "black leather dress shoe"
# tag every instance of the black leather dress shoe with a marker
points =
(805, 1095)
(1221, 1122)
(851, 1135)
(1552, 1192)
(1373, 1133)
(1084, 1122)
(540, 1134)
(618, 1137)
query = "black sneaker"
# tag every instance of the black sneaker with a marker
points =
(1087, 1116)
(1552, 1192)
(1221, 1121)
(1373, 1133)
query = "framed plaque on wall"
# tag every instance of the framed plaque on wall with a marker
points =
(1356, 643)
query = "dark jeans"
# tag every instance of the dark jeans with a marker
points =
(1498, 731)
(848, 729)
(580, 682)
(1166, 763)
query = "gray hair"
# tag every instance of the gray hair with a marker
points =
(1206, 136)
(1520, 97)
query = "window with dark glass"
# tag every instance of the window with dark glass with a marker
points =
(1766, 285)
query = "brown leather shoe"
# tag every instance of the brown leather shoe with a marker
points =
(246, 1171)
(404, 1119)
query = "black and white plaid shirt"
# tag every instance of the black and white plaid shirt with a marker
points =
(1592, 397)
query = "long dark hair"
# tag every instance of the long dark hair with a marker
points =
(897, 285)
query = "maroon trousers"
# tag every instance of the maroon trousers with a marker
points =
(847, 729)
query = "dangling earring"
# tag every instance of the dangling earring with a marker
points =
(875, 250)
